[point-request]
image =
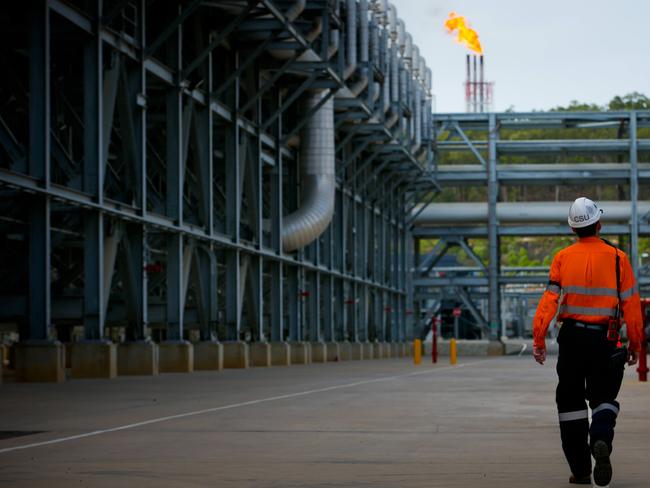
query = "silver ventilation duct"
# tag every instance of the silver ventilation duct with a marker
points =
(406, 83)
(317, 165)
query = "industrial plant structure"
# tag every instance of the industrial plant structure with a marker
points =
(192, 184)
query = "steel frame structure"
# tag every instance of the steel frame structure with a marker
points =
(477, 137)
(147, 156)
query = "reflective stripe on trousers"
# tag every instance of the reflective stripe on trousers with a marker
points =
(575, 415)
(605, 407)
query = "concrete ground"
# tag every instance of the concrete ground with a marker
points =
(483, 423)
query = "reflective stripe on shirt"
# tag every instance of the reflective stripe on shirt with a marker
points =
(629, 292)
(607, 312)
(584, 290)
(553, 289)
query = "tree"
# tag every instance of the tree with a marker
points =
(631, 101)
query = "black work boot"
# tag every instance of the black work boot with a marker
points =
(580, 480)
(603, 467)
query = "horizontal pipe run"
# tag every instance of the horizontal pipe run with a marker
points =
(520, 212)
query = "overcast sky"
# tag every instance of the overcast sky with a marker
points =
(540, 53)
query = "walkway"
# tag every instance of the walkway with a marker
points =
(387, 423)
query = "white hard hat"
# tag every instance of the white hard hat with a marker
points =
(583, 212)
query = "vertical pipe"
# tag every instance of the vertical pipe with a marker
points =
(468, 85)
(277, 295)
(351, 38)
(634, 194)
(394, 75)
(474, 85)
(482, 87)
(94, 266)
(233, 216)
(494, 311)
(39, 167)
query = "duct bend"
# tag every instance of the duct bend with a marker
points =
(317, 175)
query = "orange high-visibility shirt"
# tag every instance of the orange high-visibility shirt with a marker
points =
(585, 273)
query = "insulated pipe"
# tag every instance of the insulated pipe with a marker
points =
(429, 80)
(394, 74)
(386, 69)
(408, 48)
(364, 30)
(351, 38)
(427, 128)
(418, 117)
(403, 83)
(360, 85)
(422, 72)
(295, 10)
(392, 22)
(317, 165)
(415, 61)
(380, 8)
(374, 42)
(519, 212)
(401, 35)
(403, 97)
(284, 54)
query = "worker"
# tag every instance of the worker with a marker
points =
(599, 293)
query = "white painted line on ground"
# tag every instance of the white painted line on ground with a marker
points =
(228, 407)
(524, 346)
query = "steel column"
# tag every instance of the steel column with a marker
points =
(493, 231)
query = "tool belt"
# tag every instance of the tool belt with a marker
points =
(612, 327)
(585, 325)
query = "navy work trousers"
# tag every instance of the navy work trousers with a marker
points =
(586, 372)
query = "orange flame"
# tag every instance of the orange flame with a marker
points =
(466, 35)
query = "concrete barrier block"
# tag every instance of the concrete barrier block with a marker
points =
(96, 359)
(386, 352)
(40, 362)
(176, 357)
(318, 352)
(280, 354)
(260, 354)
(396, 350)
(495, 348)
(345, 349)
(208, 356)
(300, 353)
(368, 350)
(356, 351)
(67, 354)
(333, 351)
(137, 358)
(236, 355)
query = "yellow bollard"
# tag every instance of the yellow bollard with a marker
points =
(417, 351)
(452, 352)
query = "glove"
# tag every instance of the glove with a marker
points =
(539, 353)
(632, 357)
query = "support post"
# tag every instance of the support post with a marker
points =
(494, 309)
(634, 194)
